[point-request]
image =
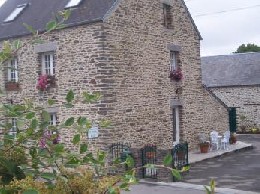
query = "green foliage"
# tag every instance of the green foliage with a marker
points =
(211, 188)
(247, 48)
(167, 160)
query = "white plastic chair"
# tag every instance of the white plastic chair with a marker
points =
(225, 140)
(214, 140)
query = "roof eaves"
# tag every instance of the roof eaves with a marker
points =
(70, 25)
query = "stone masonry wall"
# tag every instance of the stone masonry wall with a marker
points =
(246, 98)
(77, 56)
(137, 43)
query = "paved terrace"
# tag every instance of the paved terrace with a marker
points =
(196, 156)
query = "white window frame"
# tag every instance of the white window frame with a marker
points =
(53, 119)
(13, 130)
(48, 63)
(173, 60)
(13, 70)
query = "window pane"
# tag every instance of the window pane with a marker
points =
(53, 120)
(47, 64)
(12, 71)
(173, 61)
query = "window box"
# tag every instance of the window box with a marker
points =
(12, 86)
(176, 75)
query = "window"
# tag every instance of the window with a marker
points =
(18, 10)
(167, 15)
(13, 130)
(13, 71)
(173, 60)
(48, 64)
(73, 3)
(53, 119)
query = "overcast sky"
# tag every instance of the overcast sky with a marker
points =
(225, 24)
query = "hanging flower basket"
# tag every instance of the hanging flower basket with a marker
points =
(176, 75)
(45, 82)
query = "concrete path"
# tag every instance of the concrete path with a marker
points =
(239, 170)
(177, 188)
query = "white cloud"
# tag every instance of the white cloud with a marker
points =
(223, 32)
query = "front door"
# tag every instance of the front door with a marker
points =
(176, 124)
(232, 119)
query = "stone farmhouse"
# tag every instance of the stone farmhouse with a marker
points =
(235, 80)
(124, 49)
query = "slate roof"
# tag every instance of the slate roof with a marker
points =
(231, 70)
(39, 12)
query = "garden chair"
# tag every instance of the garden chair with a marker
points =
(225, 140)
(214, 140)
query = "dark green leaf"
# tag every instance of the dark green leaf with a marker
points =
(83, 148)
(70, 96)
(76, 139)
(69, 122)
(30, 115)
(82, 121)
(167, 160)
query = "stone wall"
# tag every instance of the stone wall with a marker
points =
(76, 57)
(245, 98)
(143, 90)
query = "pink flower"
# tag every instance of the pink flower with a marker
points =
(42, 82)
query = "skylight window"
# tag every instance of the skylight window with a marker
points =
(73, 3)
(15, 13)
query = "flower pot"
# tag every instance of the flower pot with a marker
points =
(232, 140)
(204, 147)
(12, 86)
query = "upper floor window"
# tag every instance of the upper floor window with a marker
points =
(48, 64)
(167, 16)
(173, 60)
(13, 70)
(18, 10)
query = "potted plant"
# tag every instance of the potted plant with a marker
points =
(12, 86)
(233, 138)
(204, 143)
(176, 74)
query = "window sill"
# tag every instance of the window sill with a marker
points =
(12, 86)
